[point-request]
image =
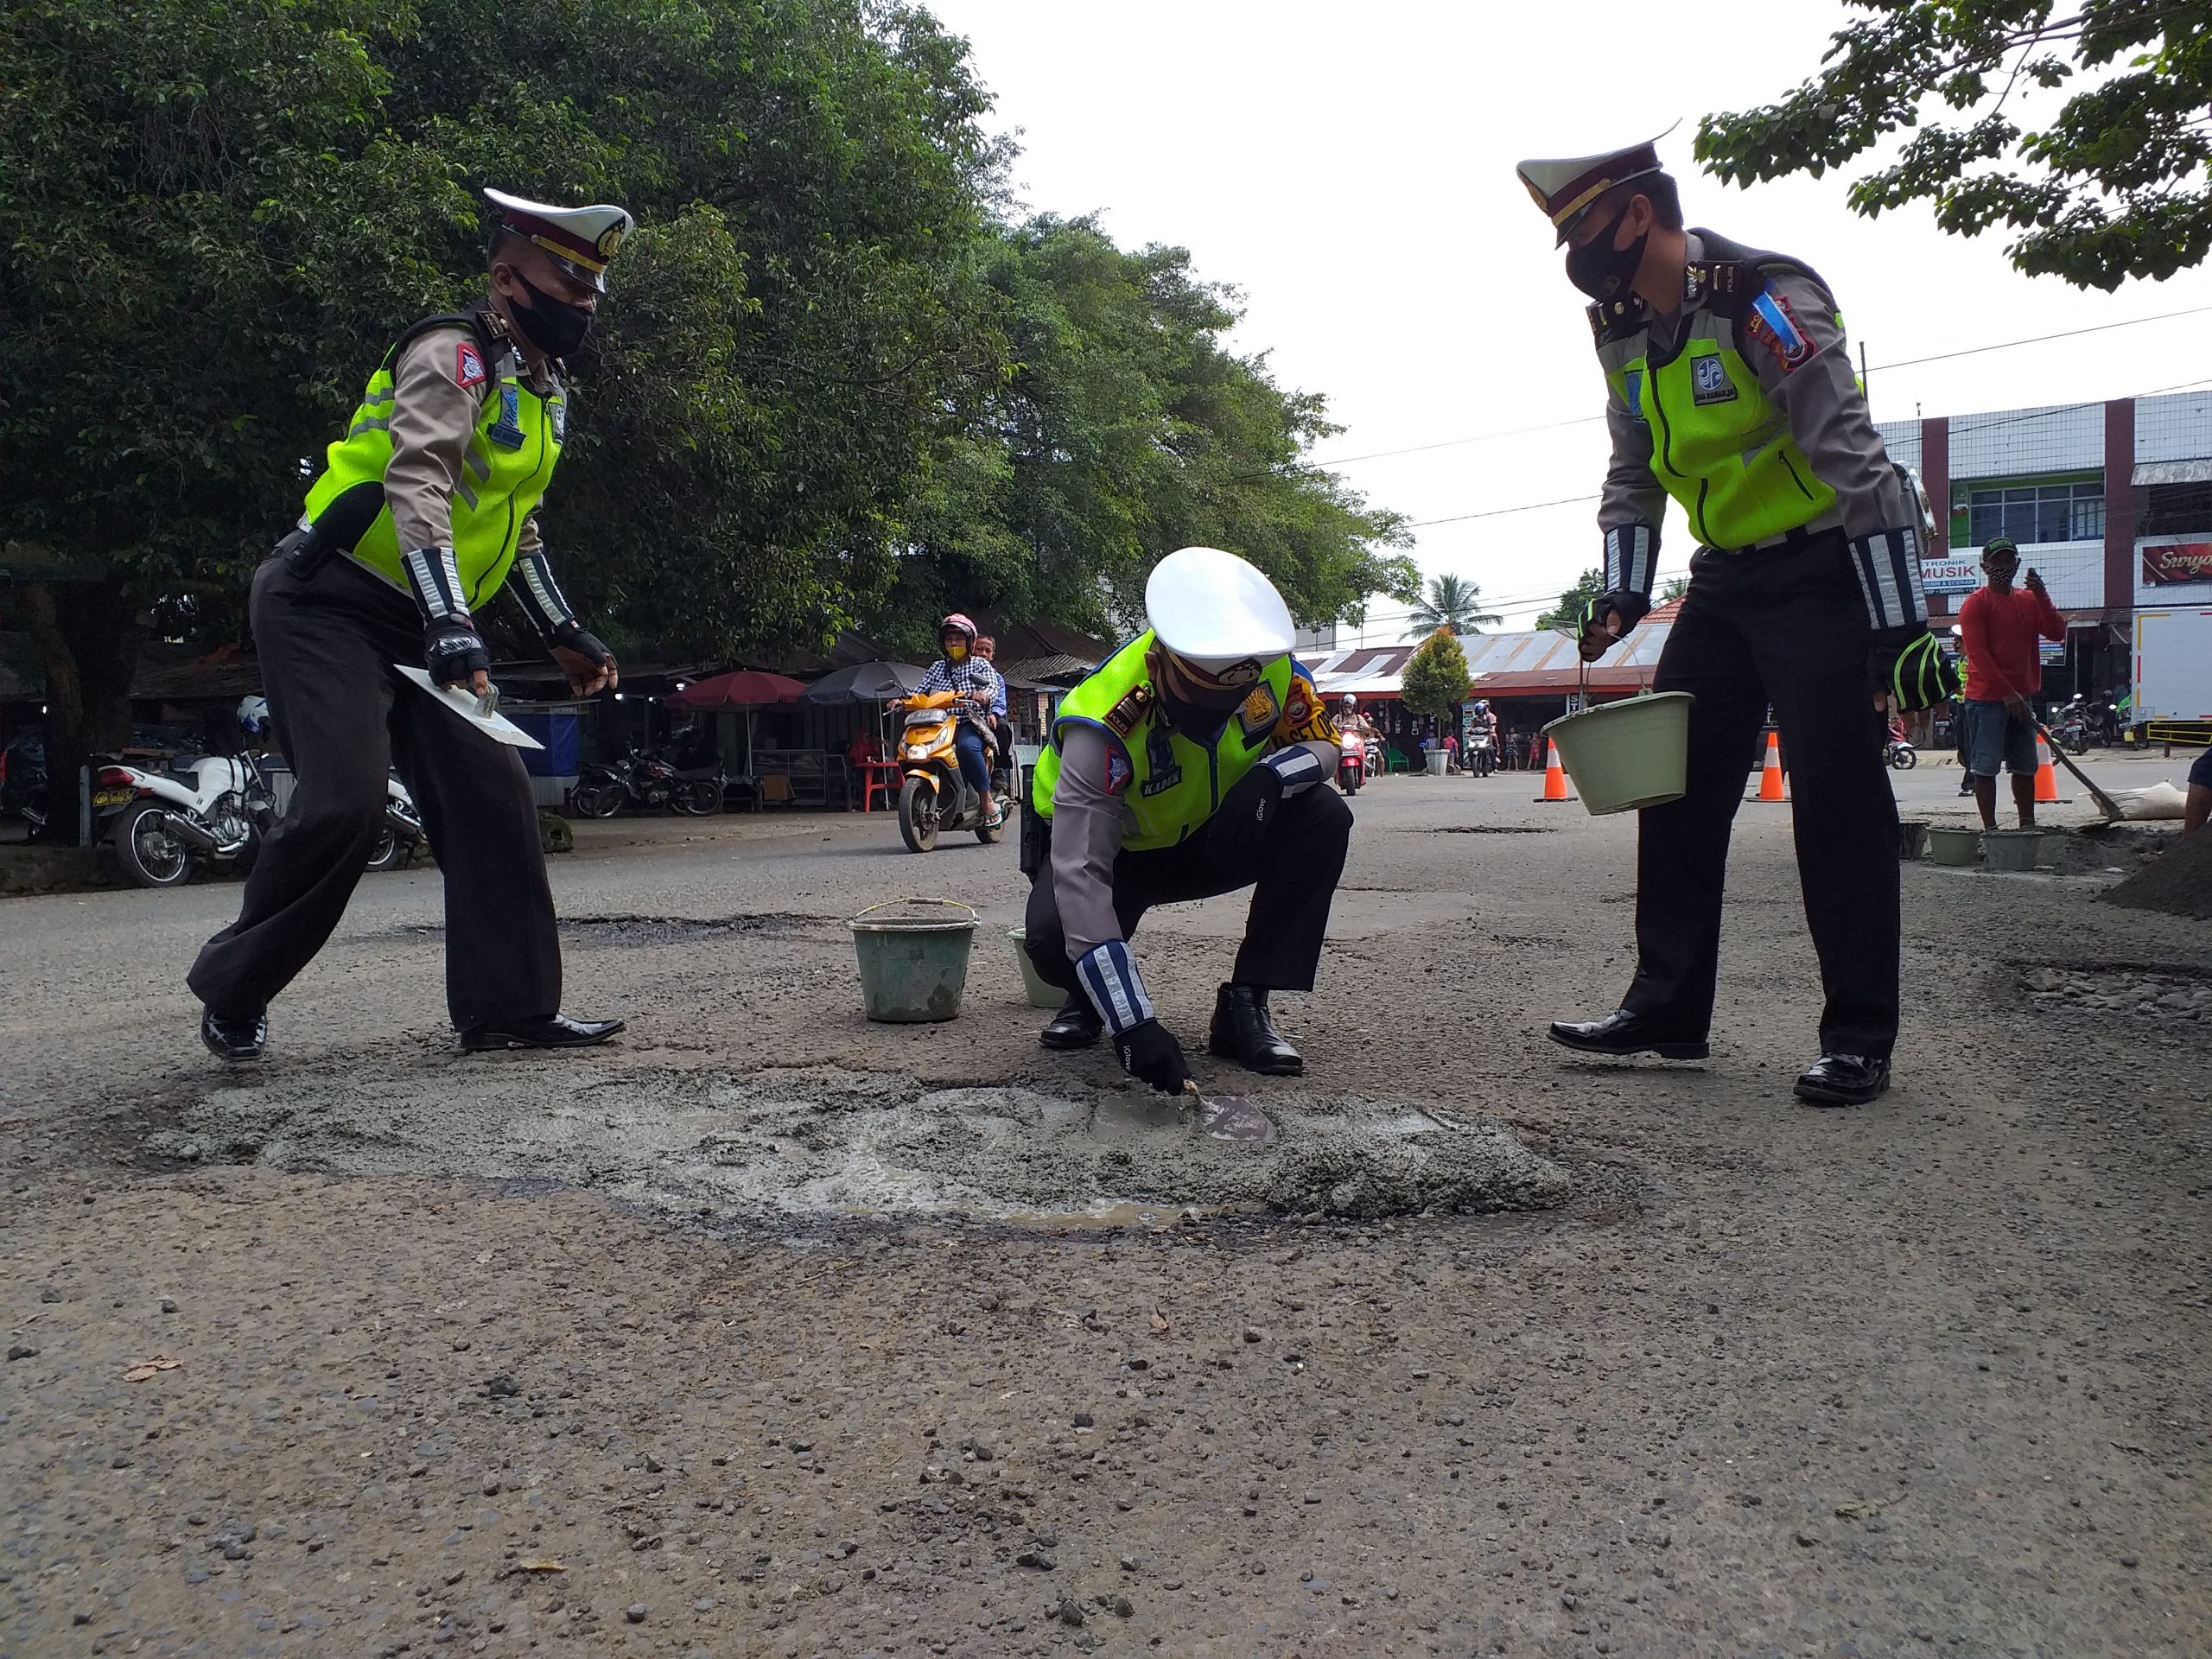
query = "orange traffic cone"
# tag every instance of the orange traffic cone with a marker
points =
(1554, 775)
(2046, 774)
(1770, 787)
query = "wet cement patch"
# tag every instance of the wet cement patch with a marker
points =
(658, 930)
(2167, 993)
(833, 1143)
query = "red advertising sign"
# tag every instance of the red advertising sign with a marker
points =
(2177, 561)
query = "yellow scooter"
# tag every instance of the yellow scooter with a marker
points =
(933, 796)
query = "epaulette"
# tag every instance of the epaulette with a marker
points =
(1612, 319)
(1721, 286)
(1129, 714)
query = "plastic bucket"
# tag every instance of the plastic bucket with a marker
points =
(1435, 760)
(1041, 995)
(1954, 846)
(1912, 837)
(913, 968)
(1626, 755)
(2011, 849)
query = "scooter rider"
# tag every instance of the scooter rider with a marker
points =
(1183, 766)
(962, 670)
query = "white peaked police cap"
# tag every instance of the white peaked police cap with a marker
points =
(579, 239)
(1217, 615)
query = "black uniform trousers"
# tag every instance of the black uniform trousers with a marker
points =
(1786, 628)
(343, 719)
(1300, 862)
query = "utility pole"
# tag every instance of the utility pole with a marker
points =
(1862, 377)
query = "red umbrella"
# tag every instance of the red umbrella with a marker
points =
(743, 688)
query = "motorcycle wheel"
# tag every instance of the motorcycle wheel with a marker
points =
(150, 855)
(2080, 744)
(918, 818)
(1905, 759)
(701, 796)
(991, 835)
(385, 854)
(596, 800)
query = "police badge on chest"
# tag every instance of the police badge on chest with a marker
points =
(1166, 771)
(1709, 382)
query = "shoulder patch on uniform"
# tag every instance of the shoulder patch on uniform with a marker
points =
(1129, 714)
(1259, 713)
(468, 365)
(1119, 771)
(1774, 325)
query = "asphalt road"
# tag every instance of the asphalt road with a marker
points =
(1926, 1377)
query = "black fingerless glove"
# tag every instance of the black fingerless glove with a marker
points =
(1247, 813)
(1632, 606)
(588, 646)
(1909, 666)
(1150, 1053)
(454, 651)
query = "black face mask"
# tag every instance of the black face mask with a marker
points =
(555, 327)
(1602, 270)
(1193, 720)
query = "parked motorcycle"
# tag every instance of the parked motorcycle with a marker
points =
(637, 779)
(2072, 726)
(1900, 755)
(933, 796)
(401, 832)
(212, 808)
(1352, 764)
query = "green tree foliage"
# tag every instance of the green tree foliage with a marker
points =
(2114, 185)
(1575, 601)
(1436, 680)
(1674, 588)
(1448, 602)
(1123, 431)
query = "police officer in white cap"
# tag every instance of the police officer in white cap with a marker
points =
(1731, 390)
(427, 505)
(1183, 766)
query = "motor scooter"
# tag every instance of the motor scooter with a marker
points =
(1352, 763)
(1482, 754)
(932, 795)
(401, 832)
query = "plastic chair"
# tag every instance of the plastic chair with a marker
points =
(1392, 761)
(879, 775)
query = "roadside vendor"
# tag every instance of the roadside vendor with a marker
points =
(1183, 767)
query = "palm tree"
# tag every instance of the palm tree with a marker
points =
(1449, 603)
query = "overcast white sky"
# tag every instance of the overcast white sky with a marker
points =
(1350, 169)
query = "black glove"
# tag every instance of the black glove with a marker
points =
(1247, 813)
(571, 637)
(1908, 666)
(1632, 606)
(453, 651)
(1150, 1054)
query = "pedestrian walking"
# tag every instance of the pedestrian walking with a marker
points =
(1186, 766)
(423, 510)
(1729, 388)
(2001, 625)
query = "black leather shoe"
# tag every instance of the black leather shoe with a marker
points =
(238, 1041)
(1622, 1032)
(1843, 1080)
(1242, 1033)
(1076, 1025)
(546, 1031)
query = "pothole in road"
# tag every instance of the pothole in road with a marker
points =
(831, 1143)
(656, 930)
(1482, 830)
(2161, 992)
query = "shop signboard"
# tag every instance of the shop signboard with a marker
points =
(2170, 564)
(1951, 576)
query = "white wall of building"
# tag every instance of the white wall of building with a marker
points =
(2017, 442)
(2178, 427)
(2073, 571)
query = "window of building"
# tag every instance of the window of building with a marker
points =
(2037, 512)
(2175, 510)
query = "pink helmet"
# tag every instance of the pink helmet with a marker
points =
(957, 622)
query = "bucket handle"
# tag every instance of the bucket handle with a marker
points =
(888, 903)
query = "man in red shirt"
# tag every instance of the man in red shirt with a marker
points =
(1999, 626)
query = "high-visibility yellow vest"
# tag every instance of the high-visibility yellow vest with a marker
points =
(509, 459)
(1175, 783)
(1719, 446)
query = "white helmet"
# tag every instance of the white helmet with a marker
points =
(253, 715)
(1218, 615)
(1350, 701)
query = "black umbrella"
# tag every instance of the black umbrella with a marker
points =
(869, 683)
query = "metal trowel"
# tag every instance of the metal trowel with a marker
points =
(1231, 1117)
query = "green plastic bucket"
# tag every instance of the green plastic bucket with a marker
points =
(1041, 995)
(1627, 754)
(913, 968)
(1949, 844)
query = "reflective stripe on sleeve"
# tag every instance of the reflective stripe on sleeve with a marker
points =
(1108, 975)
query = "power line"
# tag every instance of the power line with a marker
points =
(1500, 512)
(2037, 340)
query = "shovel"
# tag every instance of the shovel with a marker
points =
(1231, 1117)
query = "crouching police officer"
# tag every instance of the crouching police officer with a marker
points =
(1730, 390)
(1186, 766)
(426, 506)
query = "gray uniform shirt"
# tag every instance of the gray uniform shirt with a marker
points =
(433, 422)
(1820, 398)
(1087, 828)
